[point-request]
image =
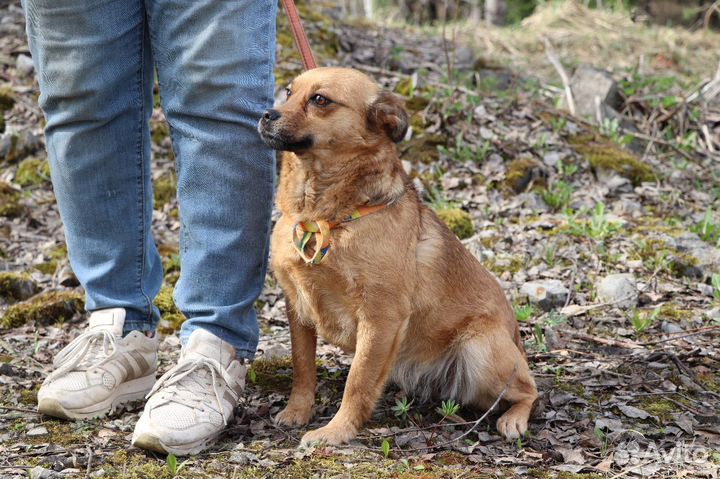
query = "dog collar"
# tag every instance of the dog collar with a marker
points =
(304, 231)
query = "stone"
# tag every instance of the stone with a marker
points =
(24, 65)
(700, 259)
(37, 431)
(39, 472)
(546, 294)
(587, 83)
(619, 290)
(670, 328)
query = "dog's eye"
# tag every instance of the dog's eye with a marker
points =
(288, 92)
(320, 100)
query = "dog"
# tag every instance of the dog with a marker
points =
(368, 267)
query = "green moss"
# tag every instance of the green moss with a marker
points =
(271, 374)
(7, 100)
(604, 155)
(46, 308)
(658, 407)
(569, 387)
(422, 149)
(458, 221)
(54, 256)
(122, 465)
(170, 316)
(28, 396)
(164, 190)
(32, 171)
(10, 206)
(524, 173)
(16, 286)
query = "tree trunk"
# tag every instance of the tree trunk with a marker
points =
(495, 11)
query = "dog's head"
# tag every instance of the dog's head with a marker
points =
(334, 109)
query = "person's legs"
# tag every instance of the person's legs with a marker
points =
(215, 62)
(95, 72)
(215, 66)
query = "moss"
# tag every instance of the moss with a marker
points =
(271, 374)
(422, 149)
(164, 190)
(658, 407)
(46, 308)
(170, 316)
(7, 100)
(604, 155)
(17, 286)
(524, 173)
(122, 465)
(671, 311)
(32, 171)
(28, 396)
(710, 380)
(458, 221)
(569, 387)
(10, 206)
(54, 256)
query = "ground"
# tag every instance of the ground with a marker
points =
(627, 366)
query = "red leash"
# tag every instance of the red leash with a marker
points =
(299, 36)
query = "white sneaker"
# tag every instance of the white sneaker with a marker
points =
(99, 370)
(192, 403)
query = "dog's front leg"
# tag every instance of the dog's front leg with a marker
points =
(375, 352)
(302, 397)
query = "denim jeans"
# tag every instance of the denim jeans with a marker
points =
(96, 61)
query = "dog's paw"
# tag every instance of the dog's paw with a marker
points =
(330, 435)
(293, 416)
(512, 426)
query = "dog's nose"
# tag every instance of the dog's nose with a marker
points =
(271, 115)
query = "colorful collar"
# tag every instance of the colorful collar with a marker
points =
(303, 231)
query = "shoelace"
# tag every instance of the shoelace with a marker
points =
(183, 369)
(84, 351)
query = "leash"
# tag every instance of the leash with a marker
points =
(299, 36)
(304, 231)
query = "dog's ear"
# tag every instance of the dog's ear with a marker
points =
(386, 114)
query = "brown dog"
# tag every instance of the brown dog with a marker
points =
(394, 286)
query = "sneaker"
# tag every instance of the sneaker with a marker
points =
(99, 371)
(192, 403)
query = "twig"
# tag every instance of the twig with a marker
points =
(606, 342)
(687, 334)
(550, 53)
(90, 459)
(19, 409)
(659, 141)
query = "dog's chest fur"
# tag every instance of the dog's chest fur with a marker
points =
(313, 290)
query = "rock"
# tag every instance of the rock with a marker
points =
(16, 146)
(713, 314)
(16, 286)
(43, 309)
(698, 259)
(39, 472)
(618, 289)
(7, 369)
(276, 351)
(67, 278)
(547, 294)
(587, 83)
(24, 65)
(670, 328)
(37, 431)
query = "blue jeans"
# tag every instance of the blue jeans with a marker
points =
(214, 59)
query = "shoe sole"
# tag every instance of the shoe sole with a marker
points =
(150, 442)
(128, 392)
